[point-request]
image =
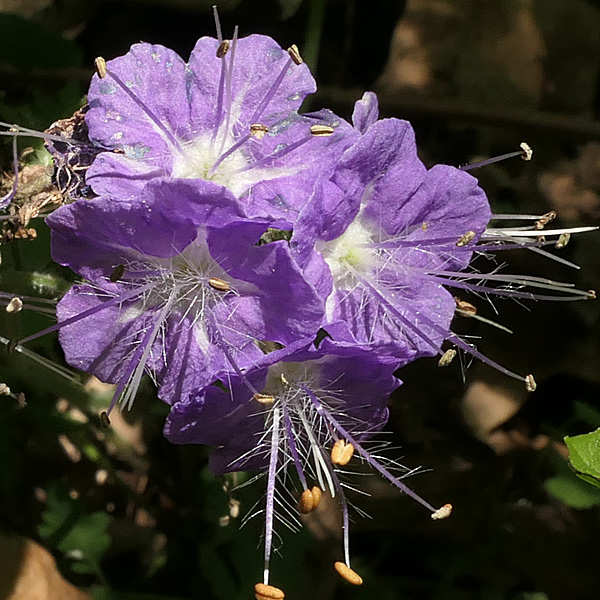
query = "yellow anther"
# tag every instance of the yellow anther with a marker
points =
(223, 48)
(425, 226)
(562, 241)
(316, 494)
(321, 130)
(465, 239)
(15, 305)
(295, 54)
(447, 358)
(307, 503)
(442, 513)
(262, 591)
(530, 383)
(264, 398)
(341, 453)
(258, 130)
(219, 284)
(310, 499)
(347, 573)
(100, 65)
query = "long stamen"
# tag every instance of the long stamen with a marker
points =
(228, 83)
(42, 360)
(91, 311)
(16, 130)
(525, 153)
(228, 153)
(139, 360)
(217, 23)
(291, 440)
(325, 414)
(149, 112)
(345, 517)
(269, 95)
(270, 504)
(275, 155)
(220, 342)
(7, 198)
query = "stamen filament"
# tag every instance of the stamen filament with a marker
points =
(7, 198)
(271, 483)
(325, 414)
(269, 95)
(149, 112)
(275, 155)
(135, 368)
(91, 311)
(291, 439)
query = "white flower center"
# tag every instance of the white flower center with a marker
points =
(201, 155)
(350, 253)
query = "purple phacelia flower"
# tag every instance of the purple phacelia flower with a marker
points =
(397, 235)
(300, 417)
(230, 116)
(178, 284)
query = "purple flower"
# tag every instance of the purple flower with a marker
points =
(178, 284)
(393, 223)
(228, 116)
(300, 417)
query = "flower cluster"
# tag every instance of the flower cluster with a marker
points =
(270, 270)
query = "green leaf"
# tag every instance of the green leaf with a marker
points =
(566, 486)
(584, 454)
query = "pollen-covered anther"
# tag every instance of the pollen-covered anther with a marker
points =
(341, 453)
(219, 284)
(591, 295)
(447, 358)
(310, 500)
(465, 239)
(545, 219)
(425, 226)
(15, 305)
(350, 575)
(295, 54)
(527, 151)
(321, 130)
(307, 503)
(262, 591)
(117, 273)
(223, 48)
(258, 131)
(562, 241)
(4, 390)
(442, 513)
(264, 398)
(100, 65)
(466, 308)
(530, 383)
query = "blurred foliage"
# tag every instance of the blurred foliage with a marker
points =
(131, 517)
